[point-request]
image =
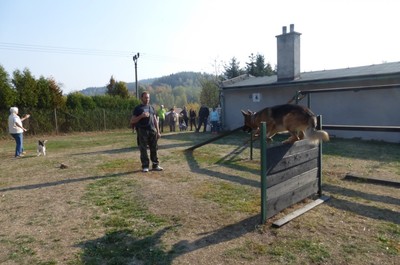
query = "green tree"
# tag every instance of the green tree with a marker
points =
(251, 66)
(115, 88)
(121, 90)
(78, 101)
(7, 94)
(180, 96)
(257, 66)
(49, 94)
(209, 94)
(111, 87)
(232, 69)
(57, 98)
(25, 85)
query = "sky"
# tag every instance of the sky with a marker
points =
(82, 43)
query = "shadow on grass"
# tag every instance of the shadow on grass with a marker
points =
(373, 212)
(363, 149)
(109, 152)
(122, 247)
(195, 167)
(64, 181)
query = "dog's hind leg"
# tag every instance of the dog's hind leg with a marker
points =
(293, 138)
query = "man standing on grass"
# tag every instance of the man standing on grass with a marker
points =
(203, 117)
(146, 122)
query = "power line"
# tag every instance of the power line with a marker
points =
(92, 52)
(62, 50)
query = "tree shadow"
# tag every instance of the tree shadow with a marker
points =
(363, 149)
(369, 211)
(109, 151)
(123, 247)
(64, 181)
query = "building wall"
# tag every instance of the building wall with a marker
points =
(242, 99)
(369, 107)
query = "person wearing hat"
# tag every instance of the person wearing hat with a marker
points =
(161, 117)
(16, 129)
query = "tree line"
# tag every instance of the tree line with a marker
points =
(44, 95)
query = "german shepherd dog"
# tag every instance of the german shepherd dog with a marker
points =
(298, 120)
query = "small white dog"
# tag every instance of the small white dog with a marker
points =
(41, 148)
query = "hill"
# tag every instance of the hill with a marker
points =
(186, 79)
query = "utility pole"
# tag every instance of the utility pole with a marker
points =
(135, 58)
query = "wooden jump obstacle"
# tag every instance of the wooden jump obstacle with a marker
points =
(290, 173)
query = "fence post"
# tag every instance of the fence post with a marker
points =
(319, 127)
(263, 147)
(104, 119)
(251, 145)
(55, 119)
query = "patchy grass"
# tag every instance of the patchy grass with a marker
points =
(129, 226)
(230, 197)
(202, 209)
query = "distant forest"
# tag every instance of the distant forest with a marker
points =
(184, 79)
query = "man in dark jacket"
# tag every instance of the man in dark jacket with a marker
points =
(203, 117)
(146, 122)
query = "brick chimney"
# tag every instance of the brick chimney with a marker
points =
(288, 54)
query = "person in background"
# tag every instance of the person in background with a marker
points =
(161, 117)
(192, 116)
(214, 119)
(203, 117)
(144, 116)
(16, 129)
(173, 120)
(184, 115)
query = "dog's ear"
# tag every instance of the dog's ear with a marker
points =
(244, 113)
(250, 112)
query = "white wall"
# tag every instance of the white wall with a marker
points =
(370, 107)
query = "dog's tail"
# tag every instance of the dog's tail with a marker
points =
(314, 134)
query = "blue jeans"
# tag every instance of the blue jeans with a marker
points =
(19, 140)
(214, 126)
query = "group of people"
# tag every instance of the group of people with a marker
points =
(185, 119)
(176, 120)
(205, 115)
(148, 123)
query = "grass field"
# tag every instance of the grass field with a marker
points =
(204, 208)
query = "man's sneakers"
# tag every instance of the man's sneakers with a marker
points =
(155, 168)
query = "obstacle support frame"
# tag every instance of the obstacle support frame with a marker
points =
(290, 173)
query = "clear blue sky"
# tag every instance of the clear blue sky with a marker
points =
(81, 43)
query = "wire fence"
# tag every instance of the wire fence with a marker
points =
(59, 121)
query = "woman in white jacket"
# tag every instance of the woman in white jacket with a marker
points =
(16, 129)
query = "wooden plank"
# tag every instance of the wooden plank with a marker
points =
(275, 205)
(276, 153)
(291, 160)
(299, 212)
(281, 176)
(292, 184)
